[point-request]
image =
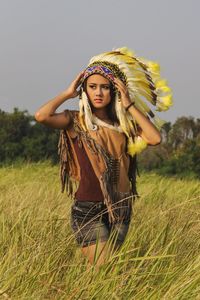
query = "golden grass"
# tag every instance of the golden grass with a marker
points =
(160, 258)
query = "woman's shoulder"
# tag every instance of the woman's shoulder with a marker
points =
(72, 112)
(74, 116)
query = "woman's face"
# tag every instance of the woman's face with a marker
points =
(98, 90)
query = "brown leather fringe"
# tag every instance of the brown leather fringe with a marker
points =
(64, 151)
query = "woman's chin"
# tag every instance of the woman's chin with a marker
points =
(98, 105)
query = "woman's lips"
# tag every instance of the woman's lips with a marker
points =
(98, 100)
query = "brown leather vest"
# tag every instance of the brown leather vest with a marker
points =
(106, 150)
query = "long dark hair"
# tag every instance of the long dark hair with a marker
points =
(111, 106)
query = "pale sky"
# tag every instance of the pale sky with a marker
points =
(45, 43)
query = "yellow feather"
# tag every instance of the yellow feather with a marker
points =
(126, 51)
(122, 117)
(137, 146)
(164, 103)
(160, 83)
(147, 95)
(163, 89)
(166, 100)
(139, 75)
(153, 67)
(141, 105)
(143, 85)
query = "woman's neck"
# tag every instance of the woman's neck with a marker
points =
(101, 114)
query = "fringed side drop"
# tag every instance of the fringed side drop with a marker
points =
(132, 174)
(109, 181)
(64, 151)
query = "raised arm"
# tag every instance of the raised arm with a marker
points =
(148, 131)
(47, 115)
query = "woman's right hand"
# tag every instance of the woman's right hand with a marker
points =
(71, 91)
(47, 113)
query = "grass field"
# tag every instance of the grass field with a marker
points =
(160, 258)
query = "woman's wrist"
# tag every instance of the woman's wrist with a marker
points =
(131, 104)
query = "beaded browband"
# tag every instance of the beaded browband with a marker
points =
(107, 69)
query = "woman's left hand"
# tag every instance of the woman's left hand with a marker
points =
(148, 131)
(124, 94)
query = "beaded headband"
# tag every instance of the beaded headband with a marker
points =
(107, 69)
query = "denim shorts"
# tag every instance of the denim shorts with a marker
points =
(90, 223)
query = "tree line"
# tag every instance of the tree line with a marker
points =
(179, 151)
(23, 139)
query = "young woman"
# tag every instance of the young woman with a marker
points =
(98, 144)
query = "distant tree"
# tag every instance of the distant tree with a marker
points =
(197, 128)
(183, 129)
(165, 132)
(22, 138)
(41, 143)
(13, 127)
(152, 157)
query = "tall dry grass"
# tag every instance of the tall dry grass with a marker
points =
(160, 258)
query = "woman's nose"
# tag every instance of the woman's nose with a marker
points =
(98, 91)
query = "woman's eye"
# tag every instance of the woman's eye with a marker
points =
(94, 87)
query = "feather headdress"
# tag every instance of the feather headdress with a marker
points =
(145, 87)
